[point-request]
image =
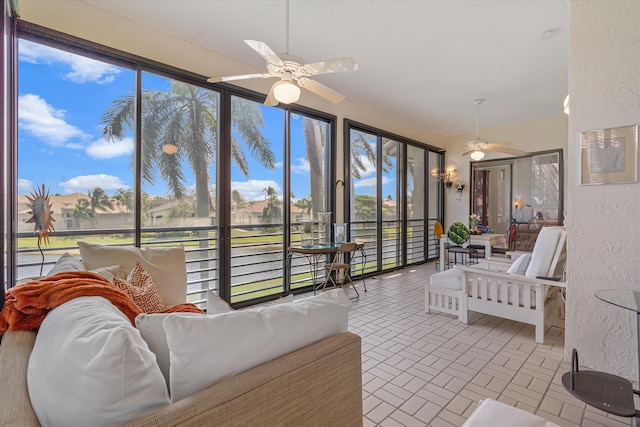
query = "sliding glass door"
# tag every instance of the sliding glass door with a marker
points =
(390, 208)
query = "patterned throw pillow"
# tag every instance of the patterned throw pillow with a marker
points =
(141, 289)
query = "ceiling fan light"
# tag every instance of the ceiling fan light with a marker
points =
(286, 92)
(477, 155)
(170, 149)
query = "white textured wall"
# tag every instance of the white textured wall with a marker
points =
(539, 135)
(603, 221)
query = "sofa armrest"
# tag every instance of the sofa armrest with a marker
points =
(15, 406)
(318, 385)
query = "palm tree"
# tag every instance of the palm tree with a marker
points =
(98, 199)
(124, 198)
(237, 199)
(272, 211)
(186, 116)
(80, 212)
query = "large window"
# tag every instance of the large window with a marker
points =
(133, 153)
(388, 200)
(62, 98)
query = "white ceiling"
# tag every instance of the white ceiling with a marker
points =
(422, 60)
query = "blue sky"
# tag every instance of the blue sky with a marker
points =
(61, 99)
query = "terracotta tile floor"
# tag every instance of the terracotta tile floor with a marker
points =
(430, 370)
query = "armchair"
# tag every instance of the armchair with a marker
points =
(504, 290)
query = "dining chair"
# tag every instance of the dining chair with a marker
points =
(339, 270)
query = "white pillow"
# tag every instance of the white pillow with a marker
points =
(166, 266)
(281, 300)
(90, 367)
(66, 262)
(110, 273)
(204, 350)
(152, 332)
(520, 265)
(216, 305)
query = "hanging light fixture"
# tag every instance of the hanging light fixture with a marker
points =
(477, 155)
(285, 91)
(170, 149)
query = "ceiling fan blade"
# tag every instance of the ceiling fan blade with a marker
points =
(271, 100)
(331, 66)
(265, 51)
(239, 77)
(320, 90)
(467, 151)
(506, 150)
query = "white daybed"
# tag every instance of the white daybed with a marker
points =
(504, 290)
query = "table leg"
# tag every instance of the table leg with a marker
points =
(363, 255)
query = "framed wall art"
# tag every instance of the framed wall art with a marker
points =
(609, 156)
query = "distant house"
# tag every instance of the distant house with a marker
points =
(251, 213)
(63, 207)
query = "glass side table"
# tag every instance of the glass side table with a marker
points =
(607, 392)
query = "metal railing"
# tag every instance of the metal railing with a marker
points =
(258, 256)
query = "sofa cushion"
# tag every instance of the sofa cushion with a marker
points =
(544, 251)
(166, 266)
(142, 291)
(152, 331)
(449, 279)
(204, 350)
(89, 366)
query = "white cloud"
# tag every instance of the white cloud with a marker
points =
(103, 149)
(254, 189)
(278, 165)
(370, 182)
(24, 185)
(302, 167)
(82, 69)
(42, 120)
(84, 183)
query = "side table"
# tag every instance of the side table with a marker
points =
(607, 392)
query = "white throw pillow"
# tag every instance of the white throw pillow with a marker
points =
(90, 367)
(152, 331)
(110, 273)
(520, 265)
(216, 305)
(66, 262)
(206, 349)
(281, 300)
(166, 266)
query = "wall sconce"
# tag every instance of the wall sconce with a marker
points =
(444, 176)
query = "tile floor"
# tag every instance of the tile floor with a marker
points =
(430, 370)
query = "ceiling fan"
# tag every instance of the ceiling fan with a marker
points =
(290, 69)
(478, 146)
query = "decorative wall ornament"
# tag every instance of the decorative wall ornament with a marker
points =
(609, 156)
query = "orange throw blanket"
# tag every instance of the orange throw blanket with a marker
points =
(26, 306)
